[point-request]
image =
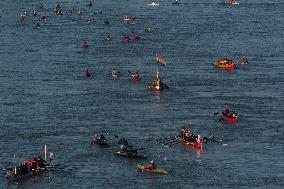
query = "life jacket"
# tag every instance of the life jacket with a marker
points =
(151, 166)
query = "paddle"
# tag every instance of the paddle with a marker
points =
(211, 139)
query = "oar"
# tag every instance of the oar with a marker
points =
(211, 139)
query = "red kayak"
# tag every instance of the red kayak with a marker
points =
(193, 144)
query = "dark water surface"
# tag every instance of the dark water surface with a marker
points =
(45, 98)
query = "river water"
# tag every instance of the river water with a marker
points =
(46, 99)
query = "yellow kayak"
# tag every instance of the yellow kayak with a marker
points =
(160, 171)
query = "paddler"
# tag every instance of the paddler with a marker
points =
(108, 38)
(135, 35)
(126, 38)
(151, 165)
(88, 73)
(243, 61)
(85, 44)
(226, 111)
(135, 76)
(115, 73)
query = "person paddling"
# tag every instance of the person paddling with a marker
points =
(126, 39)
(135, 35)
(88, 73)
(135, 76)
(115, 73)
(151, 165)
(85, 44)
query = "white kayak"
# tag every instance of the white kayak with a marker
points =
(153, 4)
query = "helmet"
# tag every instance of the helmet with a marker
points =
(152, 161)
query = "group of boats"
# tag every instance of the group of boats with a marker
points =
(157, 84)
(29, 168)
(40, 165)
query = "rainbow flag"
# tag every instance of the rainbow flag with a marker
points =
(161, 60)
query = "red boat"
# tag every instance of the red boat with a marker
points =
(193, 144)
(230, 116)
(231, 119)
(225, 63)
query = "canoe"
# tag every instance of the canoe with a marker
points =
(10, 175)
(196, 145)
(143, 168)
(127, 155)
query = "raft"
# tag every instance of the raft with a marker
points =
(143, 168)
(196, 145)
(11, 176)
(128, 155)
(231, 119)
(225, 63)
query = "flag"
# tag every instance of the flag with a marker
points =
(161, 60)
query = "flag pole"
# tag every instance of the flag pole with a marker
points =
(44, 152)
(157, 66)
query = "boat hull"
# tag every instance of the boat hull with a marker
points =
(231, 120)
(195, 145)
(159, 171)
(126, 155)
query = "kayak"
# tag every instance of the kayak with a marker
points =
(231, 119)
(225, 63)
(153, 4)
(143, 168)
(101, 143)
(58, 13)
(193, 144)
(128, 155)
